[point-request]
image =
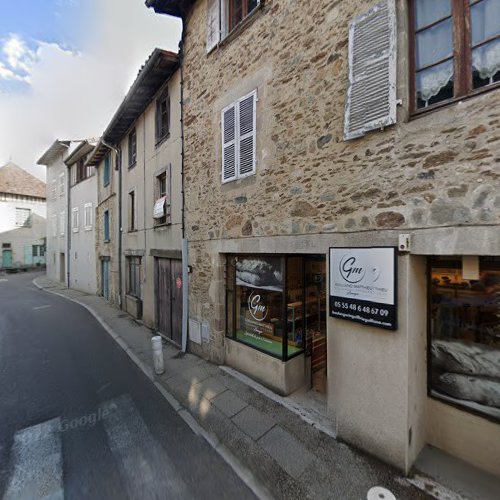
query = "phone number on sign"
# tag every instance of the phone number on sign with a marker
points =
(364, 309)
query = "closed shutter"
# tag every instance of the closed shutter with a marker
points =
(213, 24)
(246, 130)
(371, 96)
(229, 153)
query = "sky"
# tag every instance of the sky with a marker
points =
(66, 65)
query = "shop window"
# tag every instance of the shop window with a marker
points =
(275, 304)
(456, 49)
(464, 341)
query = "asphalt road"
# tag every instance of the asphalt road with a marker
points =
(78, 419)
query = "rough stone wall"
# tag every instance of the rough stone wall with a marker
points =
(440, 169)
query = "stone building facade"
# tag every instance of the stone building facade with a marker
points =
(431, 178)
(140, 194)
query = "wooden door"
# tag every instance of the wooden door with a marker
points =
(169, 298)
(62, 268)
(176, 272)
(105, 278)
(7, 258)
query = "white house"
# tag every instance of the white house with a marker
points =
(57, 200)
(82, 202)
(22, 218)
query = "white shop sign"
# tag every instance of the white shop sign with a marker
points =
(363, 285)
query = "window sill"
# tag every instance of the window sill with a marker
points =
(417, 113)
(107, 241)
(161, 140)
(88, 228)
(106, 185)
(132, 231)
(162, 225)
(132, 165)
(241, 26)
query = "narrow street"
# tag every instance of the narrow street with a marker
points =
(80, 420)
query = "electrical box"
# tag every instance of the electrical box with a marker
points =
(404, 243)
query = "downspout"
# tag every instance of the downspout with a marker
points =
(185, 254)
(119, 168)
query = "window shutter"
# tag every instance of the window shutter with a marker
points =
(246, 131)
(229, 153)
(371, 95)
(213, 24)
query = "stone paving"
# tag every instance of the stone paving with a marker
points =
(290, 458)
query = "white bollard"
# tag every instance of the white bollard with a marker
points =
(157, 354)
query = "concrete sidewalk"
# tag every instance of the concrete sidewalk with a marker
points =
(273, 449)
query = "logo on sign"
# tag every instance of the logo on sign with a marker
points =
(351, 269)
(257, 307)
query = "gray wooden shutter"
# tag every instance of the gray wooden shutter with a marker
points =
(246, 134)
(213, 24)
(371, 96)
(229, 146)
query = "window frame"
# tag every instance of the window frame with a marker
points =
(106, 173)
(87, 222)
(27, 220)
(132, 212)
(462, 57)
(229, 27)
(160, 134)
(106, 226)
(237, 137)
(132, 148)
(75, 220)
(134, 264)
(160, 194)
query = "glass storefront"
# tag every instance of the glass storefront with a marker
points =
(464, 346)
(275, 302)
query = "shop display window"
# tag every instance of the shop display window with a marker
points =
(464, 344)
(275, 302)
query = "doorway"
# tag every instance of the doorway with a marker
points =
(7, 258)
(105, 278)
(168, 293)
(62, 268)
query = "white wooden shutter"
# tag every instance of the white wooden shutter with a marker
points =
(246, 135)
(371, 95)
(213, 24)
(229, 146)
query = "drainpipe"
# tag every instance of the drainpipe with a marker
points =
(185, 255)
(119, 168)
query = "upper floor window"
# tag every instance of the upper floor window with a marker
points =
(131, 211)
(132, 149)
(162, 204)
(456, 49)
(80, 171)
(239, 138)
(106, 175)
(75, 222)
(87, 214)
(238, 10)
(224, 15)
(23, 217)
(54, 189)
(106, 231)
(162, 116)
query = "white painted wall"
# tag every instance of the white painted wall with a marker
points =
(82, 250)
(19, 237)
(56, 210)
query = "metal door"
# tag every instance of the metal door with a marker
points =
(105, 279)
(169, 298)
(7, 258)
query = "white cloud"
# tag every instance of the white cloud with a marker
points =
(75, 94)
(18, 55)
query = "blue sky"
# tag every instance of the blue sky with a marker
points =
(65, 67)
(26, 24)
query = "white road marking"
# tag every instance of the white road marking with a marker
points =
(41, 307)
(37, 470)
(3, 279)
(144, 465)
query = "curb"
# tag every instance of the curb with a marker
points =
(241, 471)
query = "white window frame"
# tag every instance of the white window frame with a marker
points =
(75, 223)
(54, 189)
(62, 184)
(62, 223)
(26, 221)
(87, 216)
(237, 137)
